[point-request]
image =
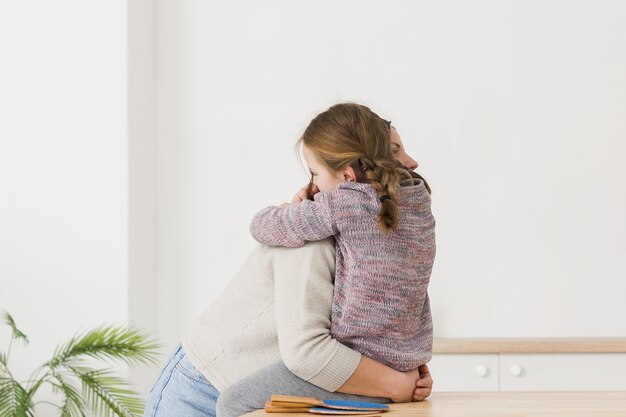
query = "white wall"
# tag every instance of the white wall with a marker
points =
(514, 110)
(153, 130)
(63, 172)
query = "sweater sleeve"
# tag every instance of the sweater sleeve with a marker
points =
(294, 225)
(303, 297)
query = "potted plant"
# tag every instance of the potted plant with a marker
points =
(72, 375)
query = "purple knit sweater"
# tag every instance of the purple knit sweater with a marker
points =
(380, 303)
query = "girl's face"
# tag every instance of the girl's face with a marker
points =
(323, 178)
(398, 151)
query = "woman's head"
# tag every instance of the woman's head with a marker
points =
(405, 159)
(349, 142)
(399, 152)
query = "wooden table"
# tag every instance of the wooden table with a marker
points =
(505, 404)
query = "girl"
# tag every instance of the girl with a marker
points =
(384, 231)
(380, 216)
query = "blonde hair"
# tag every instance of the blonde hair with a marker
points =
(350, 134)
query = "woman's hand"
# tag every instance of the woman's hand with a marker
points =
(424, 385)
(406, 386)
(414, 385)
(374, 379)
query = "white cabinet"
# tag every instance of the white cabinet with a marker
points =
(563, 372)
(529, 371)
(465, 372)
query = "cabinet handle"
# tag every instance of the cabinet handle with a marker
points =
(481, 371)
(515, 370)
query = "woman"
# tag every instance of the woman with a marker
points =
(380, 217)
(277, 307)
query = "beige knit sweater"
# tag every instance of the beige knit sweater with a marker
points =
(278, 306)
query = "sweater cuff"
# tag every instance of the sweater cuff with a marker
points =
(338, 370)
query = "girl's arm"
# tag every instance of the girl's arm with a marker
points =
(303, 298)
(295, 224)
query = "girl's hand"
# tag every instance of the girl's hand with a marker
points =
(424, 385)
(305, 193)
(301, 195)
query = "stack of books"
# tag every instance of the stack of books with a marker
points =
(289, 404)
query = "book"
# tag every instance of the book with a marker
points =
(290, 404)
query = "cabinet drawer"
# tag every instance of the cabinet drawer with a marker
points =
(462, 372)
(555, 372)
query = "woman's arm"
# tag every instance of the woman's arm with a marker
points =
(373, 379)
(303, 298)
(314, 364)
(252, 392)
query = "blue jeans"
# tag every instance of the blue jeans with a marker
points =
(181, 391)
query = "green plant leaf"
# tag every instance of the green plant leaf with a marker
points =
(4, 367)
(120, 343)
(14, 400)
(108, 394)
(73, 402)
(17, 333)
